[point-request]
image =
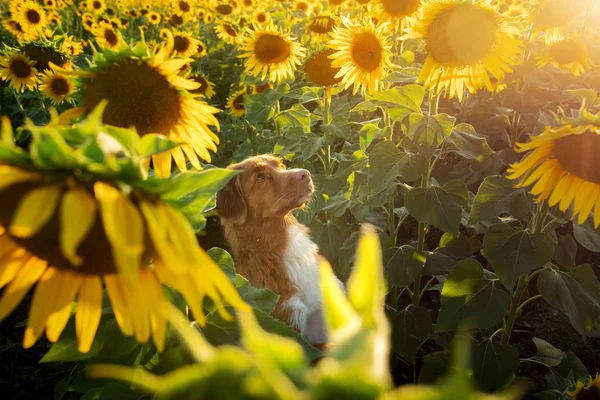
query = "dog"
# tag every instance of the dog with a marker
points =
(270, 247)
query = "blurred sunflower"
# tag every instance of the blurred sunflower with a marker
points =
(304, 6)
(227, 32)
(184, 45)
(175, 20)
(466, 41)
(31, 16)
(50, 3)
(235, 103)
(261, 17)
(97, 6)
(569, 55)
(14, 28)
(54, 18)
(562, 163)
(224, 9)
(56, 86)
(201, 51)
(154, 17)
(271, 54)
(208, 17)
(362, 54)
(67, 236)
(322, 24)
(146, 93)
(319, 69)
(394, 9)
(588, 391)
(182, 7)
(107, 36)
(205, 88)
(261, 88)
(44, 52)
(18, 70)
(552, 16)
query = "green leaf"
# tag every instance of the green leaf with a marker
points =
(464, 141)
(409, 97)
(439, 206)
(494, 365)
(587, 236)
(403, 265)
(516, 253)
(225, 261)
(450, 251)
(128, 138)
(296, 116)
(468, 295)
(588, 95)
(151, 144)
(387, 162)
(258, 298)
(435, 366)
(576, 294)
(429, 131)
(497, 196)
(547, 354)
(197, 188)
(410, 329)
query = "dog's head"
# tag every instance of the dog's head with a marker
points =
(264, 189)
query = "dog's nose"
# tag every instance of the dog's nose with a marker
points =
(302, 174)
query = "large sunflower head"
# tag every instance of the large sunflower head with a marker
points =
(587, 391)
(562, 164)
(466, 41)
(270, 53)
(145, 92)
(31, 16)
(74, 220)
(552, 16)
(56, 86)
(362, 54)
(569, 54)
(235, 103)
(319, 69)
(18, 70)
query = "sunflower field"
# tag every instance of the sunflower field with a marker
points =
(452, 147)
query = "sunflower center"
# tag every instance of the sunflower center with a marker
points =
(261, 17)
(33, 17)
(20, 68)
(400, 8)
(203, 84)
(319, 69)
(271, 49)
(461, 35)
(60, 86)
(366, 51)
(200, 48)
(322, 25)
(110, 37)
(184, 6)
(176, 20)
(557, 13)
(577, 154)
(96, 5)
(137, 95)
(43, 57)
(567, 52)
(302, 6)
(591, 393)
(224, 9)
(238, 102)
(181, 44)
(230, 30)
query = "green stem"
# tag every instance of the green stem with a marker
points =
(422, 231)
(529, 300)
(326, 120)
(434, 102)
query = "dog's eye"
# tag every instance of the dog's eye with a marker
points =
(260, 177)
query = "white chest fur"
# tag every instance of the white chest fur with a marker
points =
(302, 265)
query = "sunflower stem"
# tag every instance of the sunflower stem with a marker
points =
(422, 232)
(434, 101)
(326, 121)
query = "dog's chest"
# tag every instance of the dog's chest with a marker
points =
(300, 258)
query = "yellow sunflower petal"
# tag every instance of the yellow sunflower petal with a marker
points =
(77, 216)
(27, 276)
(89, 311)
(35, 209)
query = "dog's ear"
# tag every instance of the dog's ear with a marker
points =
(231, 203)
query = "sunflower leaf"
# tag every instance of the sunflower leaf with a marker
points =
(497, 196)
(428, 132)
(151, 144)
(494, 365)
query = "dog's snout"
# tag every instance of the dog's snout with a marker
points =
(302, 175)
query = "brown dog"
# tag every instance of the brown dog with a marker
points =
(270, 247)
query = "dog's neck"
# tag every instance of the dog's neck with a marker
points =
(259, 252)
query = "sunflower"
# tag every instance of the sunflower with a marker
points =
(303, 6)
(201, 51)
(107, 36)
(227, 32)
(14, 28)
(184, 45)
(153, 17)
(43, 53)
(145, 92)
(209, 17)
(261, 17)
(97, 6)
(235, 103)
(552, 16)
(271, 54)
(182, 7)
(31, 16)
(175, 20)
(362, 54)
(562, 162)
(56, 87)
(588, 391)
(322, 24)
(224, 9)
(394, 9)
(568, 54)
(54, 17)
(50, 3)
(18, 70)
(205, 88)
(68, 236)
(261, 88)
(319, 70)
(466, 41)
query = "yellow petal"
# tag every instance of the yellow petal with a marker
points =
(570, 192)
(124, 228)
(157, 307)
(89, 311)
(120, 308)
(13, 175)
(588, 204)
(42, 305)
(34, 211)
(77, 216)
(58, 320)
(162, 164)
(27, 276)
(338, 311)
(11, 264)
